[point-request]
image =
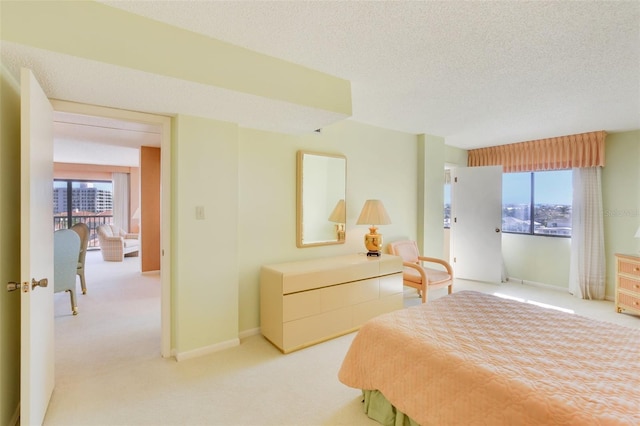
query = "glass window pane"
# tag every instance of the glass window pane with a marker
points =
(552, 202)
(516, 202)
(447, 205)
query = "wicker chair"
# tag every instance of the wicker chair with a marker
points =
(418, 276)
(115, 243)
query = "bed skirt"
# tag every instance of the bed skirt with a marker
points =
(378, 408)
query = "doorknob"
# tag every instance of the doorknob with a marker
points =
(13, 286)
(42, 283)
(497, 229)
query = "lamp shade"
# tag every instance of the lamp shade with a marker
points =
(338, 215)
(373, 213)
(638, 233)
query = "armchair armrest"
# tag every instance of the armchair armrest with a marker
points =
(439, 261)
(114, 239)
(131, 236)
(418, 268)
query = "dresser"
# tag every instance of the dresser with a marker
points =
(628, 283)
(307, 302)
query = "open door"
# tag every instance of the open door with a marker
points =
(476, 223)
(36, 251)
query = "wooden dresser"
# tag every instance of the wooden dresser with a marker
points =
(628, 283)
(307, 302)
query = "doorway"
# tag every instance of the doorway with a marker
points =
(94, 115)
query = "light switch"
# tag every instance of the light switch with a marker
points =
(199, 212)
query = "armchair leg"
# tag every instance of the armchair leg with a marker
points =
(74, 305)
(424, 294)
(83, 284)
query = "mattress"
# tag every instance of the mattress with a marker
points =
(476, 359)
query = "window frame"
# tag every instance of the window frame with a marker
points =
(532, 209)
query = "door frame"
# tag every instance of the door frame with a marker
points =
(165, 209)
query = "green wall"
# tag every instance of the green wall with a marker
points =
(621, 199)
(381, 164)
(205, 252)
(9, 247)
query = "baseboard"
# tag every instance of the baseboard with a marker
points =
(248, 333)
(537, 284)
(181, 356)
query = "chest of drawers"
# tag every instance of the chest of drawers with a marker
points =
(628, 283)
(307, 302)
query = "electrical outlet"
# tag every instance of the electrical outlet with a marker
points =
(199, 212)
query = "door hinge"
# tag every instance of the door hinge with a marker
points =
(455, 179)
(455, 220)
(455, 259)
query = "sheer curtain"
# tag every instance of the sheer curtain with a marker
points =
(121, 200)
(587, 270)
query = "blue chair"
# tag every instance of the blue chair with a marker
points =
(66, 250)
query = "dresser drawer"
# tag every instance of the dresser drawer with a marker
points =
(629, 284)
(628, 268)
(629, 301)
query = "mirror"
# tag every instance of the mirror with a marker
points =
(321, 209)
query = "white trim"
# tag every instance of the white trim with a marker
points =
(248, 333)
(165, 207)
(206, 350)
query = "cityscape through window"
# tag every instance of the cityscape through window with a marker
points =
(537, 203)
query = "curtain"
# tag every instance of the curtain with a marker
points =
(587, 269)
(121, 200)
(560, 153)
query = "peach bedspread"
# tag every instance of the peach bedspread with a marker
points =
(476, 359)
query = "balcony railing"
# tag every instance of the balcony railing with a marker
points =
(62, 222)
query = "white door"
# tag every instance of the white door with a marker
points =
(36, 251)
(476, 223)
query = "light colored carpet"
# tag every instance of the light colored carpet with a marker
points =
(109, 370)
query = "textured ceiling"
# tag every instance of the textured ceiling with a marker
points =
(477, 73)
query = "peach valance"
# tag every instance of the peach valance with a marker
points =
(560, 153)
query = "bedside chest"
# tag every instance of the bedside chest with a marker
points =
(628, 283)
(307, 302)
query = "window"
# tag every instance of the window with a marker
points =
(76, 201)
(447, 205)
(537, 203)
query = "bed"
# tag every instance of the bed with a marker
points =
(476, 359)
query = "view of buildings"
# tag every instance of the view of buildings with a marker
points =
(549, 219)
(84, 198)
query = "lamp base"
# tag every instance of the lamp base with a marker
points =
(373, 242)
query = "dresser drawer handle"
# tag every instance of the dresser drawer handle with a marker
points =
(636, 269)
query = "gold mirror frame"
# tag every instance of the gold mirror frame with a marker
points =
(321, 192)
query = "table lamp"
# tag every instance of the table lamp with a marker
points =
(373, 213)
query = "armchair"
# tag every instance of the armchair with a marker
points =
(82, 230)
(66, 249)
(417, 275)
(115, 243)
